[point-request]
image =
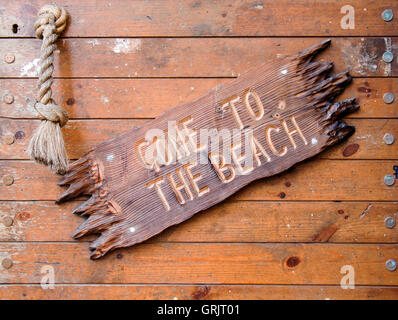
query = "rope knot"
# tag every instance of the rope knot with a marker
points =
(51, 14)
(51, 112)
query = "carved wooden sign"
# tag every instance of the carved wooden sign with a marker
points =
(201, 152)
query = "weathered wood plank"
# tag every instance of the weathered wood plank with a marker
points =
(148, 98)
(231, 221)
(205, 18)
(327, 180)
(80, 136)
(315, 180)
(192, 292)
(187, 57)
(206, 263)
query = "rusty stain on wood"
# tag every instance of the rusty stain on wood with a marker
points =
(326, 233)
(350, 149)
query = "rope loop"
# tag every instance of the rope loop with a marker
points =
(51, 14)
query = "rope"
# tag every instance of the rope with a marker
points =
(47, 143)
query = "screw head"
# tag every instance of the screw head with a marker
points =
(8, 180)
(389, 180)
(388, 97)
(8, 98)
(8, 139)
(391, 265)
(7, 263)
(387, 15)
(9, 58)
(389, 222)
(388, 57)
(388, 138)
(8, 221)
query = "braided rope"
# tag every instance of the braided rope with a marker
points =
(47, 144)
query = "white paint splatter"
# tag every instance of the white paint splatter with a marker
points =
(109, 157)
(363, 137)
(258, 6)
(127, 45)
(284, 71)
(94, 42)
(104, 99)
(314, 140)
(132, 229)
(30, 69)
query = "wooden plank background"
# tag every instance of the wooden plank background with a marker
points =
(120, 64)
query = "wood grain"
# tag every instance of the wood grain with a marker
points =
(334, 180)
(190, 57)
(82, 135)
(230, 221)
(205, 18)
(118, 173)
(195, 292)
(148, 98)
(190, 67)
(207, 263)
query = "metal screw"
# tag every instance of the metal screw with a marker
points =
(388, 97)
(8, 180)
(388, 56)
(8, 221)
(9, 139)
(9, 58)
(389, 222)
(6, 263)
(8, 98)
(389, 180)
(387, 15)
(391, 265)
(388, 138)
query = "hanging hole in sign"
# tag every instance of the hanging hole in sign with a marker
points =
(277, 115)
(15, 28)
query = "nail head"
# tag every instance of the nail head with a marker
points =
(9, 58)
(8, 139)
(391, 265)
(389, 180)
(387, 15)
(7, 263)
(388, 138)
(389, 222)
(8, 98)
(8, 221)
(388, 56)
(388, 97)
(8, 180)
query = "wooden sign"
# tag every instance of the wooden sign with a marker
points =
(201, 152)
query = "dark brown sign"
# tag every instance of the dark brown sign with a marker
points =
(201, 152)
